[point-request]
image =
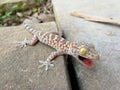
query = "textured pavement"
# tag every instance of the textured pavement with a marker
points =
(19, 66)
(106, 73)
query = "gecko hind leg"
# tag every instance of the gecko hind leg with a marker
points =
(26, 42)
(50, 60)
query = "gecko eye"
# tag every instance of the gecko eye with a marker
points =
(83, 51)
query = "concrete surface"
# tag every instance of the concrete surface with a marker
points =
(106, 73)
(19, 67)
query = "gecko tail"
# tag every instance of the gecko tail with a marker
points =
(29, 28)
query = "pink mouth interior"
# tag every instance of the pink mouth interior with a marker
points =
(86, 61)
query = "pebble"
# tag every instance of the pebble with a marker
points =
(28, 13)
(5, 25)
(35, 15)
(19, 14)
(14, 24)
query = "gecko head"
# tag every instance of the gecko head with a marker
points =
(85, 54)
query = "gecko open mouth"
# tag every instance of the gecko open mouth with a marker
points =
(86, 61)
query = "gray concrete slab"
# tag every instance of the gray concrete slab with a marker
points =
(19, 67)
(106, 73)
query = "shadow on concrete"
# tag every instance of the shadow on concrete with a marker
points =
(72, 74)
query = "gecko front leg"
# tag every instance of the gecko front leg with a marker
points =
(49, 62)
(26, 42)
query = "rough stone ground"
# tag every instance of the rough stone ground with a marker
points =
(106, 73)
(19, 66)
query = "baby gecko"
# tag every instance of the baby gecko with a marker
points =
(84, 52)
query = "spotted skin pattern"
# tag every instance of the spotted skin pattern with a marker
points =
(62, 46)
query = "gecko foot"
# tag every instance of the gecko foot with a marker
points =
(47, 64)
(22, 44)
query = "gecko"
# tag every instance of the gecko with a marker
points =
(84, 52)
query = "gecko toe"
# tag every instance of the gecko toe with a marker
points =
(21, 44)
(52, 65)
(47, 64)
